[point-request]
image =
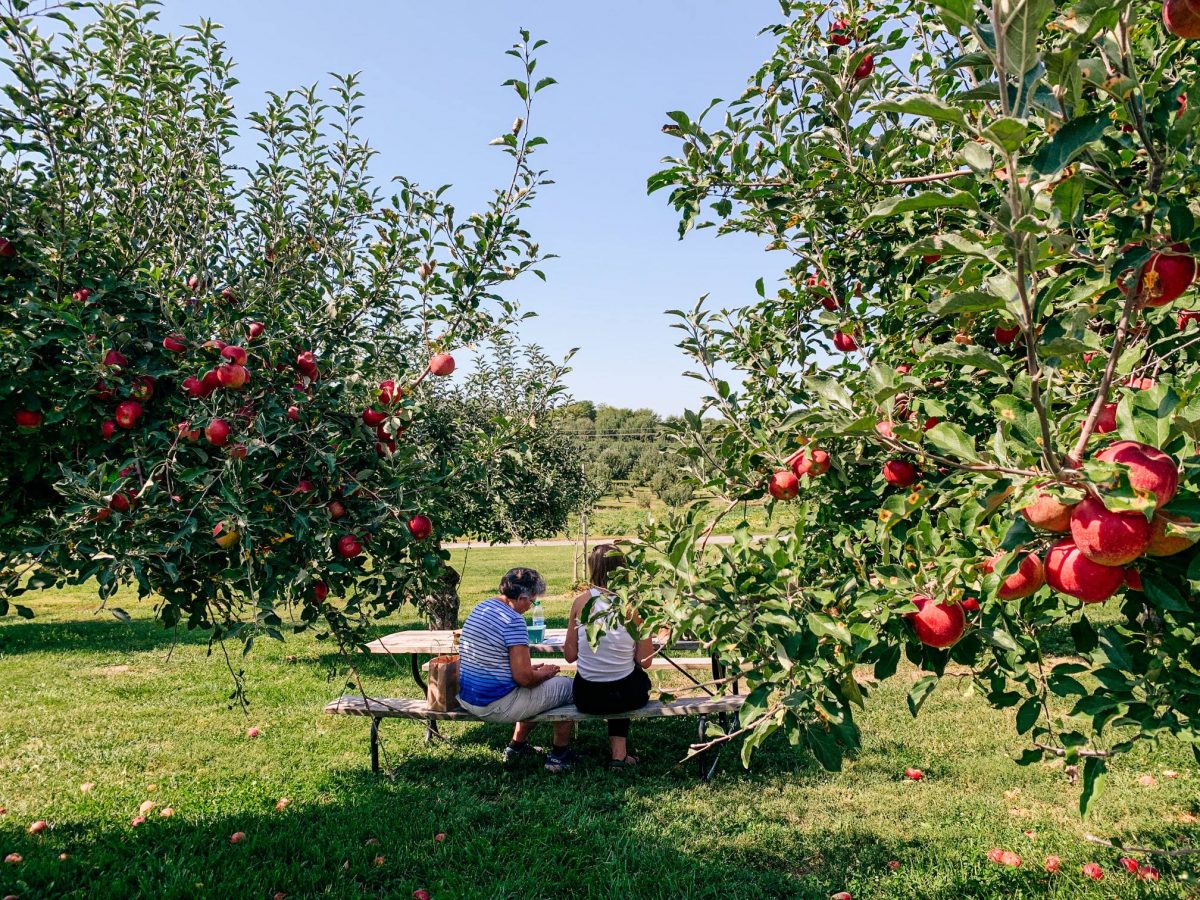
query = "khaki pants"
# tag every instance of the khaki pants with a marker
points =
(524, 703)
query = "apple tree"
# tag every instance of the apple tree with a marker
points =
(226, 382)
(979, 379)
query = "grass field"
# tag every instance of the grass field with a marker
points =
(93, 700)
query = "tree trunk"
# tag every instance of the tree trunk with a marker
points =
(441, 607)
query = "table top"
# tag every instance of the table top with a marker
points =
(436, 642)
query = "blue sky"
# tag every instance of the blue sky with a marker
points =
(432, 73)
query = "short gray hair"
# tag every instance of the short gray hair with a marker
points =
(518, 583)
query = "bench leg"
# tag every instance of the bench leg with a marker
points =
(375, 745)
(431, 731)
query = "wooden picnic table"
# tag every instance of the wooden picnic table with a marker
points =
(418, 642)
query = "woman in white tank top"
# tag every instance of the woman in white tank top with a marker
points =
(611, 676)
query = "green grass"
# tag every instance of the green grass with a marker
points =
(90, 699)
(624, 512)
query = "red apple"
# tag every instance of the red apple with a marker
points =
(7, 250)
(348, 546)
(1166, 276)
(930, 258)
(193, 387)
(38, 827)
(217, 432)
(830, 302)
(914, 774)
(1139, 384)
(389, 393)
(336, 509)
(255, 329)
(237, 837)
(1107, 537)
(225, 535)
(864, 68)
(1133, 579)
(306, 362)
(15, 859)
(293, 413)
(1004, 858)
(1005, 336)
(1052, 864)
(899, 472)
(127, 413)
(209, 383)
(233, 377)
(1147, 873)
(839, 31)
(885, 429)
(320, 590)
(439, 837)
(809, 461)
(1027, 580)
(238, 451)
(1048, 513)
(1128, 864)
(373, 417)
(1070, 572)
(115, 360)
(174, 343)
(1164, 544)
(420, 894)
(28, 420)
(120, 502)
(1107, 420)
(784, 485)
(234, 354)
(385, 447)
(253, 732)
(228, 295)
(420, 527)
(844, 342)
(1150, 470)
(142, 388)
(1186, 318)
(441, 364)
(304, 486)
(970, 604)
(107, 429)
(103, 392)
(937, 624)
(1093, 871)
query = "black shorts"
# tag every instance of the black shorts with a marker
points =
(609, 698)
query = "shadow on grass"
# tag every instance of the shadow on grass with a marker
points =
(104, 633)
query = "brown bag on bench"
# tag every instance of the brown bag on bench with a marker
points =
(442, 693)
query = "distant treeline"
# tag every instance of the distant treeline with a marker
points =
(623, 449)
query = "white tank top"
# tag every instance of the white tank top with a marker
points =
(613, 659)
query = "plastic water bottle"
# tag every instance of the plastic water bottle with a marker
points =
(537, 631)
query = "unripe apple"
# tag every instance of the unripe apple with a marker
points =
(784, 485)
(233, 377)
(441, 364)
(1107, 537)
(114, 359)
(373, 417)
(864, 68)
(127, 413)
(1164, 544)
(217, 432)
(844, 342)
(1048, 513)
(28, 420)
(348, 546)
(1150, 470)
(420, 527)
(1107, 420)
(1166, 276)
(107, 429)
(1027, 580)
(174, 343)
(899, 472)
(255, 329)
(937, 624)
(142, 388)
(1070, 572)
(225, 535)
(234, 354)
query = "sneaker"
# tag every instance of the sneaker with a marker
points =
(515, 752)
(560, 761)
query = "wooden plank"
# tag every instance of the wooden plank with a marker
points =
(433, 643)
(411, 708)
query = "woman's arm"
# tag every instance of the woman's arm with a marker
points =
(644, 654)
(524, 672)
(571, 646)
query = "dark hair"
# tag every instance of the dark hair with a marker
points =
(602, 562)
(518, 583)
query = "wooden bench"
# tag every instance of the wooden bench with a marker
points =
(725, 708)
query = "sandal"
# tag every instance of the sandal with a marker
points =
(627, 763)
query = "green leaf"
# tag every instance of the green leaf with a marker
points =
(965, 302)
(999, 638)
(928, 200)
(824, 626)
(1068, 142)
(919, 693)
(928, 105)
(1022, 22)
(1006, 133)
(1027, 715)
(1093, 782)
(967, 356)
(953, 440)
(829, 390)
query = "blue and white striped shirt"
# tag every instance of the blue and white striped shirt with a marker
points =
(484, 674)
